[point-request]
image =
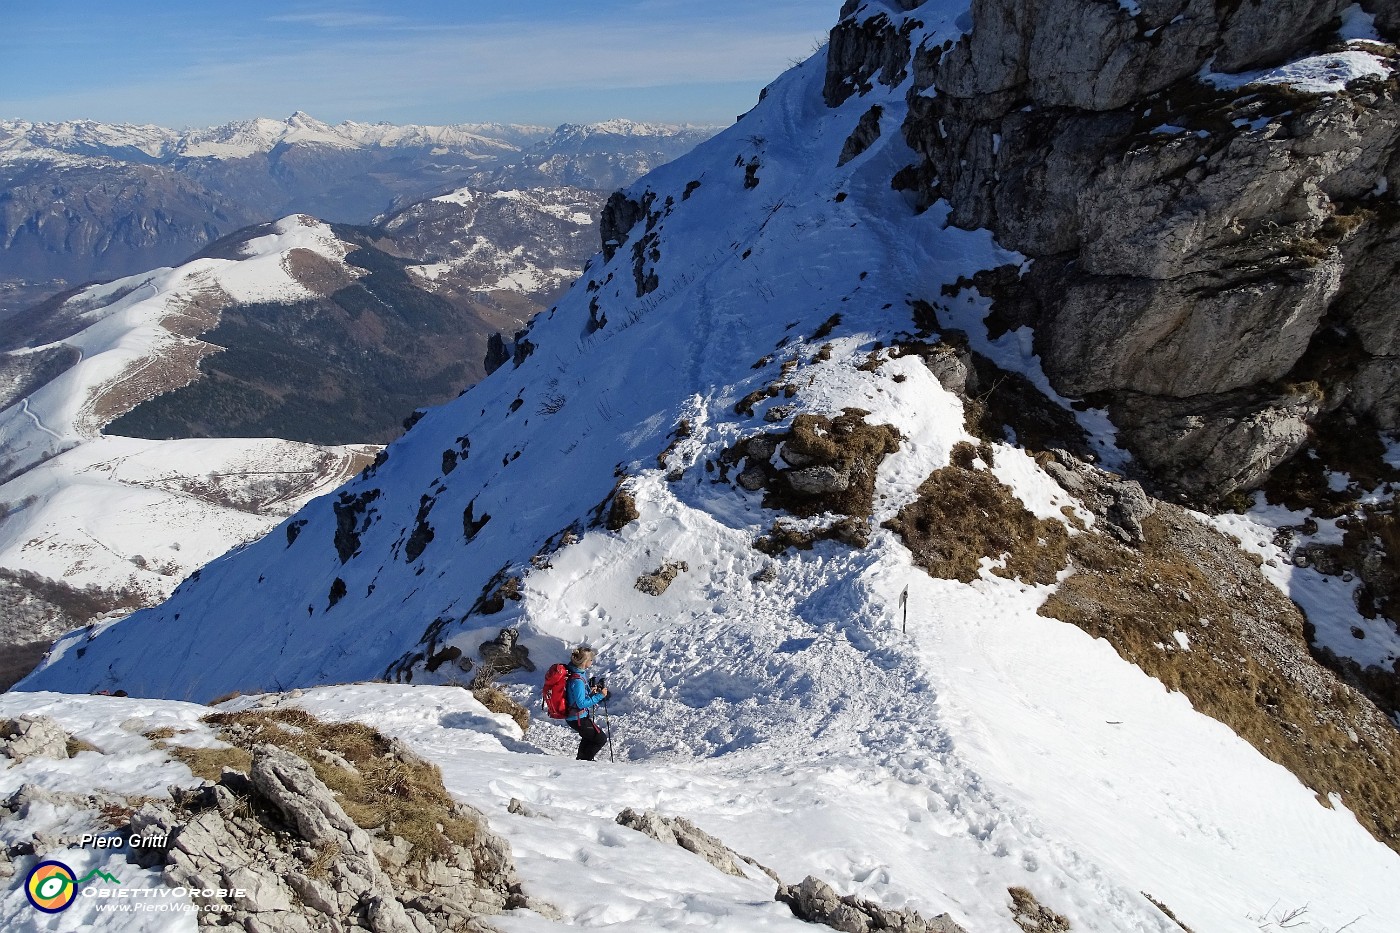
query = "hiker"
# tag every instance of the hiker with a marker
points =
(582, 697)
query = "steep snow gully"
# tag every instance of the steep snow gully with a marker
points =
(775, 700)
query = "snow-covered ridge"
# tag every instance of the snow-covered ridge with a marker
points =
(141, 515)
(624, 127)
(124, 335)
(882, 830)
(785, 701)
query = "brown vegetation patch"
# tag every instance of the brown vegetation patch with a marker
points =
(315, 272)
(176, 367)
(623, 511)
(381, 788)
(74, 745)
(497, 701)
(963, 515)
(1248, 665)
(198, 313)
(208, 763)
(830, 468)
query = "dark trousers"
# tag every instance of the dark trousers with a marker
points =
(593, 738)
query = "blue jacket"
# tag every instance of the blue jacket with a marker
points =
(577, 696)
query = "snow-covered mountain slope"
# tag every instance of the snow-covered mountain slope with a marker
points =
(529, 242)
(309, 333)
(93, 523)
(753, 286)
(85, 510)
(131, 338)
(722, 458)
(905, 824)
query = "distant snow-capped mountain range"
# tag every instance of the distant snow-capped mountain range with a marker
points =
(87, 201)
(129, 142)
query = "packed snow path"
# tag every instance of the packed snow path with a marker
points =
(24, 409)
(988, 748)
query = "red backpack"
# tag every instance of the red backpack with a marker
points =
(556, 686)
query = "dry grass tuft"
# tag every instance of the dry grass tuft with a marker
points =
(1249, 664)
(963, 515)
(321, 864)
(75, 745)
(208, 763)
(497, 701)
(623, 511)
(118, 815)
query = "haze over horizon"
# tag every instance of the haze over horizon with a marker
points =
(420, 61)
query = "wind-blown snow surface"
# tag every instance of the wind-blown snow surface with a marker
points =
(901, 820)
(987, 747)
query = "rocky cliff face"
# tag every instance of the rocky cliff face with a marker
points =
(1211, 243)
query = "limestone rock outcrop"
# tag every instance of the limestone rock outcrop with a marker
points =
(1197, 249)
(31, 737)
(676, 830)
(816, 901)
(292, 859)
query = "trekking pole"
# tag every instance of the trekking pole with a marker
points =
(608, 722)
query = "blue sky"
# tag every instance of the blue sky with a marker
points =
(421, 61)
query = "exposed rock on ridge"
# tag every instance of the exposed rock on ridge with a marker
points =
(292, 859)
(1189, 245)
